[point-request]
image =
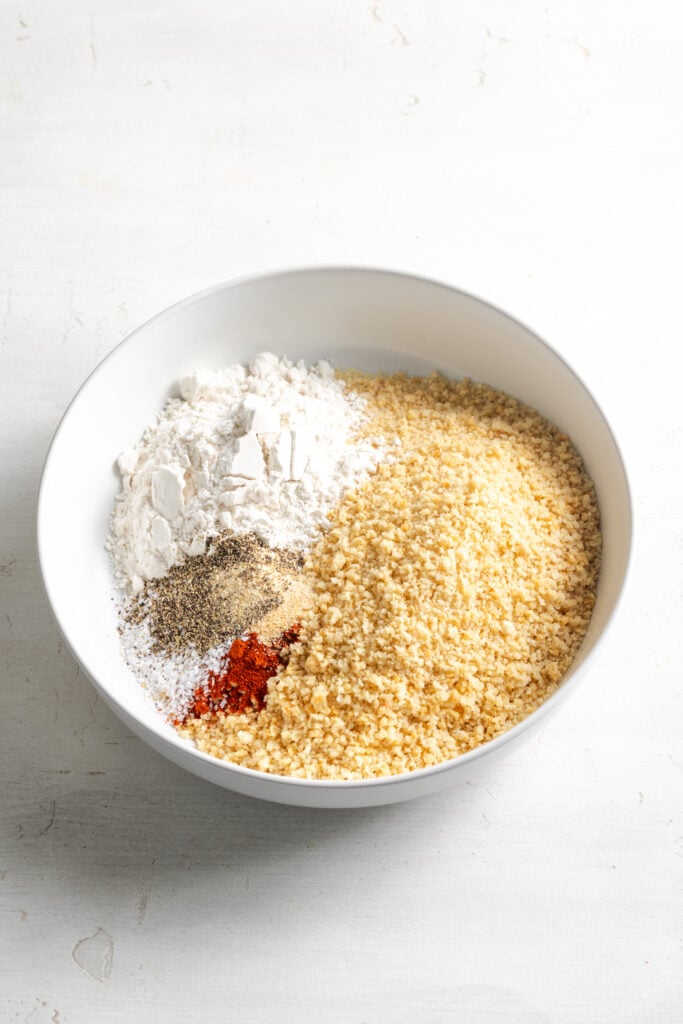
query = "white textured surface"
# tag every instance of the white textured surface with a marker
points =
(530, 153)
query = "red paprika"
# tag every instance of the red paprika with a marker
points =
(242, 680)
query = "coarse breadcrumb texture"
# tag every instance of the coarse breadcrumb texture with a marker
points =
(451, 592)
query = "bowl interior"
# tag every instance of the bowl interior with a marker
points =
(370, 319)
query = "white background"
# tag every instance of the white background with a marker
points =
(529, 152)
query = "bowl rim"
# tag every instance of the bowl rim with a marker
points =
(571, 678)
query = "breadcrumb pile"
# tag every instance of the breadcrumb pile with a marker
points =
(451, 592)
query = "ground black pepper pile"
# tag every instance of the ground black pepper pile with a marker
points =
(212, 598)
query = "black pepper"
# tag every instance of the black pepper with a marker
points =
(214, 597)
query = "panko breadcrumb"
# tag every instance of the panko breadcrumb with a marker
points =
(451, 592)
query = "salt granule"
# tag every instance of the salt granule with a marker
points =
(172, 678)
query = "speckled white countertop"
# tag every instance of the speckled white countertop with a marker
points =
(530, 153)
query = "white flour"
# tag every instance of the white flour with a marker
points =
(265, 449)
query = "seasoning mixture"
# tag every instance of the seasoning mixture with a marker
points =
(441, 601)
(211, 598)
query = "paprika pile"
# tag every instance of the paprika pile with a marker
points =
(241, 683)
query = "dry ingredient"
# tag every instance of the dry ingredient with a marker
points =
(451, 592)
(211, 598)
(180, 634)
(241, 683)
(170, 678)
(355, 576)
(262, 449)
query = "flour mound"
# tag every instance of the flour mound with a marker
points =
(267, 449)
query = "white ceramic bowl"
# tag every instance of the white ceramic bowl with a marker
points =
(372, 319)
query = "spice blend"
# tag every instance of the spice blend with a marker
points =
(211, 598)
(443, 600)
